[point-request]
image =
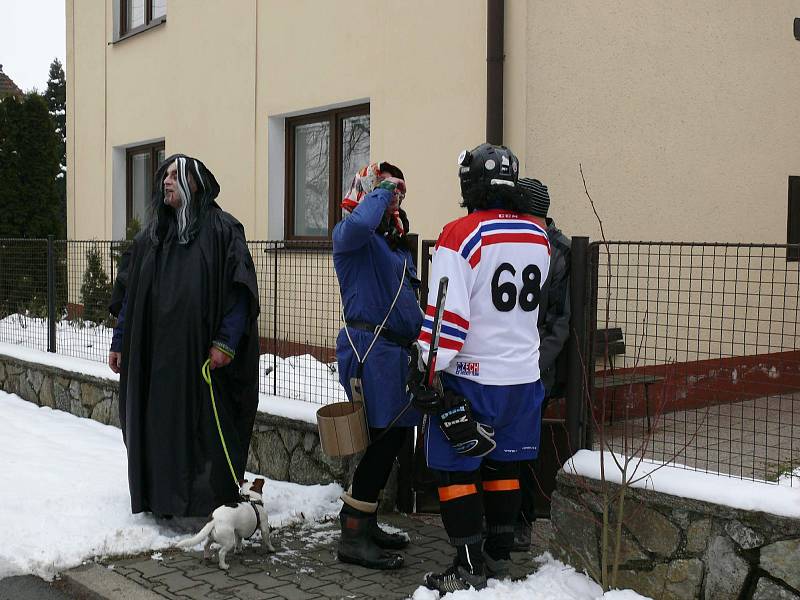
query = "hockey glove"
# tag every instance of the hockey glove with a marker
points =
(427, 400)
(465, 434)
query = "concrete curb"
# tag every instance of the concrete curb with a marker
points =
(95, 582)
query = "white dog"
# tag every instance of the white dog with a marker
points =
(231, 523)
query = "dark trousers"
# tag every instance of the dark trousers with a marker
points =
(375, 466)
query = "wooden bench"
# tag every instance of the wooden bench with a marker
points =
(611, 341)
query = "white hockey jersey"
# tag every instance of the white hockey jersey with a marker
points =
(496, 261)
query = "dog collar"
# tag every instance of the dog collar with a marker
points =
(255, 503)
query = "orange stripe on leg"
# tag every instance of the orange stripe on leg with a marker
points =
(451, 492)
(501, 485)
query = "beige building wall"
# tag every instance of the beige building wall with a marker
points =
(218, 79)
(421, 67)
(683, 114)
(189, 82)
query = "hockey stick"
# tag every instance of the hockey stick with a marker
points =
(436, 330)
(430, 371)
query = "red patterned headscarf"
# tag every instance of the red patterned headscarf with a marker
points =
(365, 181)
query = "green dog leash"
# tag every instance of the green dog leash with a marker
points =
(206, 371)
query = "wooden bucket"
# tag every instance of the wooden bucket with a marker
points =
(342, 428)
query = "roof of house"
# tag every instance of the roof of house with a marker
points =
(7, 85)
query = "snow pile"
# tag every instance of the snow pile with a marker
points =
(699, 485)
(65, 499)
(64, 489)
(300, 378)
(75, 338)
(59, 361)
(552, 581)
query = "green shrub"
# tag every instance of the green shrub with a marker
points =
(95, 289)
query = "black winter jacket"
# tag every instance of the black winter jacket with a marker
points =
(554, 314)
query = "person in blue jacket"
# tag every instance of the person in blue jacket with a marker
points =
(378, 283)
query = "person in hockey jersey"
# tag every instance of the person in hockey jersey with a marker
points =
(486, 419)
(554, 314)
(378, 283)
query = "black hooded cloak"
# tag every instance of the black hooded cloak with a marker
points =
(176, 296)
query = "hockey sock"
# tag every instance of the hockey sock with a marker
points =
(461, 507)
(471, 557)
(501, 499)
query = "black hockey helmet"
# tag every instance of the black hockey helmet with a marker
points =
(488, 175)
(488, 165)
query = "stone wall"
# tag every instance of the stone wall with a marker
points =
(81, 395)
(678, 548)
(282, 449)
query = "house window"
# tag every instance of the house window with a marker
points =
(793, 228)
(323, 152)
(141, 164)
(140, 14)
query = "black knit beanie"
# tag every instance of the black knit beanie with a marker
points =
(537, 199)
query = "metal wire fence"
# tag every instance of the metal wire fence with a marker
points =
(300, 319)
(696, 355)
(23, 292)
(298, 324)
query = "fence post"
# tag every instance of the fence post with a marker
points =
(575, 388)
(51, 297)
(275, 325)
(424, 269)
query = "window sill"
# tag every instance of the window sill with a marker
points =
(141, 29)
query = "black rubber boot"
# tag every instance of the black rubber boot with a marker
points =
(383, 539)
(356, 545)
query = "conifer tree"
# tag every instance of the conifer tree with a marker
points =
(95, 289)
(56, 96)
(29, 164)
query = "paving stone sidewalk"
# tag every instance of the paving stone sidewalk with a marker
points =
(305, 566)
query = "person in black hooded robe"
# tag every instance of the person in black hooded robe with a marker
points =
(186, 292)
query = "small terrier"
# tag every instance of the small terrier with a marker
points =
(231, 523)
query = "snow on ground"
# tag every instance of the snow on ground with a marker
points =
(60, 361)
(699, 485)
(78, 339)
(300, 378)
(552, 581)
(64, 493)
(292, 408)
(293, 387)
(65, 500)
(296, 377)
